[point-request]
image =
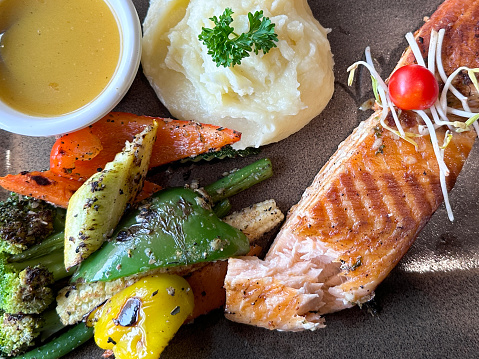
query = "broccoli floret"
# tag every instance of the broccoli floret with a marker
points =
(32, 230)
(19, 332)
(24, 221)
(26, 291)
(26, 278)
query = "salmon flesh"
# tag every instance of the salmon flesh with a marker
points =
(363, 210)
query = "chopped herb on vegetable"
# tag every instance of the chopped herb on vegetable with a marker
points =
(228, 48)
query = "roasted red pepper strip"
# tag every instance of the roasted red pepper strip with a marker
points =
(81, 145)
(176, 140)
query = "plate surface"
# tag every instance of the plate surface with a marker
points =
(428, 306)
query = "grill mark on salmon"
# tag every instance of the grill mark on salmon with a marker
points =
(361, 213)
(459, 18)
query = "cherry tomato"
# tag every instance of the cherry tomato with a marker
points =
(413, 87)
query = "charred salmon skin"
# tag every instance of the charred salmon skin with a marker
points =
(363, 210)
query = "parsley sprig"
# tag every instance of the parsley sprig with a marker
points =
(228, 48)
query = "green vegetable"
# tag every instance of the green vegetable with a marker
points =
(62, 345)
(24, 221)
(43, 250)
(18, 332)
(225, 152)
(176, 227)
(26, 278)
(240, 180)
(222, 208)
(227, 48)
(79, 299)
(96, 207)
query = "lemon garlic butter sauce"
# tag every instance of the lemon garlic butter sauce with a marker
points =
(56, 55)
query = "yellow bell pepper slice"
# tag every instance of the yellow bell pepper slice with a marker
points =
(139, 321)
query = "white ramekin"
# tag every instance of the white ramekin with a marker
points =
(130, 53)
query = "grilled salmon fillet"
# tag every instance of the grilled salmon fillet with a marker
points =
(361, 213)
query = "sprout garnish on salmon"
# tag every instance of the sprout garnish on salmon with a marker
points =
(439, 111)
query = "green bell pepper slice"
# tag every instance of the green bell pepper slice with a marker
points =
(175, 228)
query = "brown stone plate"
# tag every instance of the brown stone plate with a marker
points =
(428, 307)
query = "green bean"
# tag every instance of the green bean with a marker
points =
(240, 180)
(62, 345)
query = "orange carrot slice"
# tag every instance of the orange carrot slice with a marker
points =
(148, 189)
(175, 140)
(45, 185)
(53, 188)
(207, 285)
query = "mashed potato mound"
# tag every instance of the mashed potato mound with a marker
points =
(268, 97)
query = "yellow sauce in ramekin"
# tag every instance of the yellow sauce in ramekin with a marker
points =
(56, 56)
